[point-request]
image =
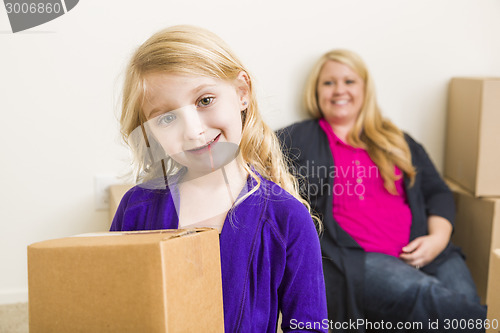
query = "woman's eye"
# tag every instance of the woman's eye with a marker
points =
(166, 119)
(327, 83)
(350, 82)
(205, 101)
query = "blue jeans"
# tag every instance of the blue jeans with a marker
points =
(398, 293)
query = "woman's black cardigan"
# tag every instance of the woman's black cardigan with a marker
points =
(307, 147)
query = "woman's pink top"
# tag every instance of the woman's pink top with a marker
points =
(377, 220)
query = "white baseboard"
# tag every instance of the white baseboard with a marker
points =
(13, 296)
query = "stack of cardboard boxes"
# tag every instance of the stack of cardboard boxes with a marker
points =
(472, 170)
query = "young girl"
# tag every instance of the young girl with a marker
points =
(206, 158)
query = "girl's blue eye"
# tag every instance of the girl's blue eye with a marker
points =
(205, 101)
(166, 118)
(350, 81)
(327, 83)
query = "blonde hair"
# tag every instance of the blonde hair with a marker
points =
(196, 51)
(384, 142)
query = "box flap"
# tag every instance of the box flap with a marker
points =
(117, 238)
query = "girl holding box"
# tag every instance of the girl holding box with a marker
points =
(205, 157)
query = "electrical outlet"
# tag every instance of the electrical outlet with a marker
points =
(101, 190)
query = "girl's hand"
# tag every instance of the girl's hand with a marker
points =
(423, 250)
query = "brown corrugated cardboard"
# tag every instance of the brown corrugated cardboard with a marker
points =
(156, 281)
(472, 154)
(494, 293)
(477, 232)
(116, 193)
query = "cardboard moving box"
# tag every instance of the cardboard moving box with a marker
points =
(472, 154)
(477, 232)
(153, 281)
(494, 293)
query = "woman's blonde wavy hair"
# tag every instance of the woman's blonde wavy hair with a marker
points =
(195, 51)
(384, 142)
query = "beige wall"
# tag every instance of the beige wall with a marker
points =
(59, 87)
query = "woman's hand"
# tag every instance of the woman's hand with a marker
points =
(423, 250)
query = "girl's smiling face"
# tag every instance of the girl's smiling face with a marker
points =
(196, 119)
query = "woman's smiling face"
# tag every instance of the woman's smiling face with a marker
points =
(340, 93)
(196, 119)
